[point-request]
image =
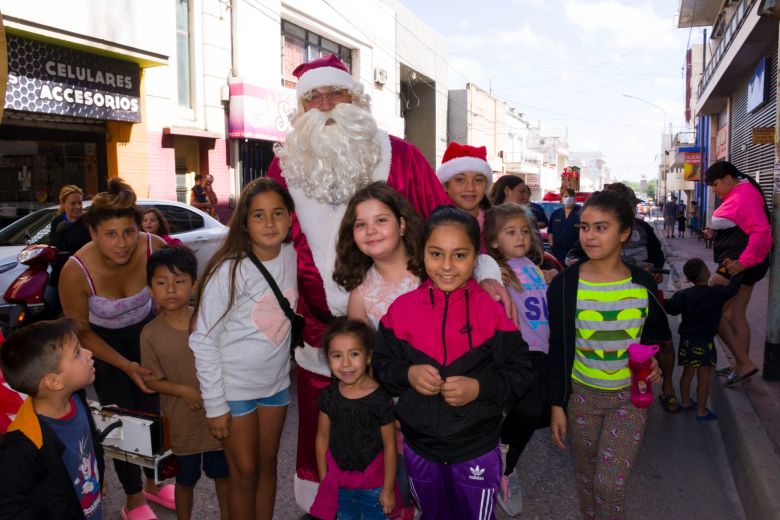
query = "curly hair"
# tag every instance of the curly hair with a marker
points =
(341, 326)
(117, 201)
(495, 219)
(351, 263)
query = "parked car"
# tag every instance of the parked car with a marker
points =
(197, 230)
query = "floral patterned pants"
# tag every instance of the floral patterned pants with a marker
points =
(606, 432)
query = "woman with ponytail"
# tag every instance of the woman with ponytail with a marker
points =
(742, 240)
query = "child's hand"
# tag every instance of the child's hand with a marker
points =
(707, 233)
(192, 398)
(220, 426)
(558, 426)
(655, 373)
(387, 500)
(425, 379)
(460, 390)
(549, 274)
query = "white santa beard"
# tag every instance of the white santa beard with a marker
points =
(330, 155)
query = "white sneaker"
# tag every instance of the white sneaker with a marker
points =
(510, 495)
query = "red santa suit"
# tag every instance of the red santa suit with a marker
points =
(315, 228)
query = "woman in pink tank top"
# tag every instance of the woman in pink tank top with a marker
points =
(104, 283)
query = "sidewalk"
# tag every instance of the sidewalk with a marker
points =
(749, 414)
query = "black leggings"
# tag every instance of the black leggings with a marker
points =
(114, 387)
(528, 414)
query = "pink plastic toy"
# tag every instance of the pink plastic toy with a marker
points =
(640, 363)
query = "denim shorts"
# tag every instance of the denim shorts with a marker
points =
(214, 465)
(239, 408)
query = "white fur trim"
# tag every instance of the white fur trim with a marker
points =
(312, 360)
(320, 223)
(459, 165)
(486, 269)
(323, 77)
(305, 491)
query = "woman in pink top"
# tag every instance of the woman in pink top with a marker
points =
(742, 239)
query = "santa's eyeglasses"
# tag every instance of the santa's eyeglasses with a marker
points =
(316, 96)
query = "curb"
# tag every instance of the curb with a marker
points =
(753, 460)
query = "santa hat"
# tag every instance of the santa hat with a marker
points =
(322, 72)
(461, 158)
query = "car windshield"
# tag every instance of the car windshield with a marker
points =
(33, 227)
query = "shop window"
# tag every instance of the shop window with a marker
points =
(183, 69)
(302, 46)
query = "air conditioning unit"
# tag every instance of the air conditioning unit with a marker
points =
(380, 76)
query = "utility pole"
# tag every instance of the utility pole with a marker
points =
(771, 370)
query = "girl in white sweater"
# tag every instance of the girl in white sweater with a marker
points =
(241, 341)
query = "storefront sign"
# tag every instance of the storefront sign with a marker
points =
(259, 113)
(50, 79)
(692, 166)
(758, 87)
(765, 135)
(722, 143)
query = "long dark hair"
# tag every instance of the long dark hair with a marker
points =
(237, 244)
(495, 218)
(497, 195)
(719, 170)
(351, 263)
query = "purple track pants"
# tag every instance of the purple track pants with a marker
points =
(465, 490)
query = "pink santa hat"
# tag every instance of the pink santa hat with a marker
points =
(462, 158)
(328, 71)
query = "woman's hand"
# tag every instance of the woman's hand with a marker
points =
(220, 426)
(425, 379)
(707, 233)
(387, 500)
(137, 373)
(459, 390)
(733, 267)
(558, 426)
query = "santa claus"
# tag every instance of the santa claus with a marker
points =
(334, 150)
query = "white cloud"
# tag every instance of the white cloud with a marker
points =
(621, 25)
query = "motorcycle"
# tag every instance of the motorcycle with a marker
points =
(25, 296)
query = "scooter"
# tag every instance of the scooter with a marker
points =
(24, 297)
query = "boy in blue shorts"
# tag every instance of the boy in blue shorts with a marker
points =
(51, 465)
(171, 274)
(701, 307)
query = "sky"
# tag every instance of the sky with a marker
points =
(569, 64)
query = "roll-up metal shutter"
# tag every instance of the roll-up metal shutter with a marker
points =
(756, 160)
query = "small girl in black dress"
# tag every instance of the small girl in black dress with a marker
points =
(356, 451)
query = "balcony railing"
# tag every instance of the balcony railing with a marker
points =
(740, 14)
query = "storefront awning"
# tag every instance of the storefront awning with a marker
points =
(180, 131)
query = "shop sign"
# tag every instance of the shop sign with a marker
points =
(50, 79)
(259, 113)
(764, 135)
(691, 166)
(722, 143)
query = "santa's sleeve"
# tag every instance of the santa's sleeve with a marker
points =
(412, 175)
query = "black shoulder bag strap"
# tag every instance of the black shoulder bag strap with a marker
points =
(284, 303)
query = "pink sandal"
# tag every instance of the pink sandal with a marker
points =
(143, 512)
(165, 497)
